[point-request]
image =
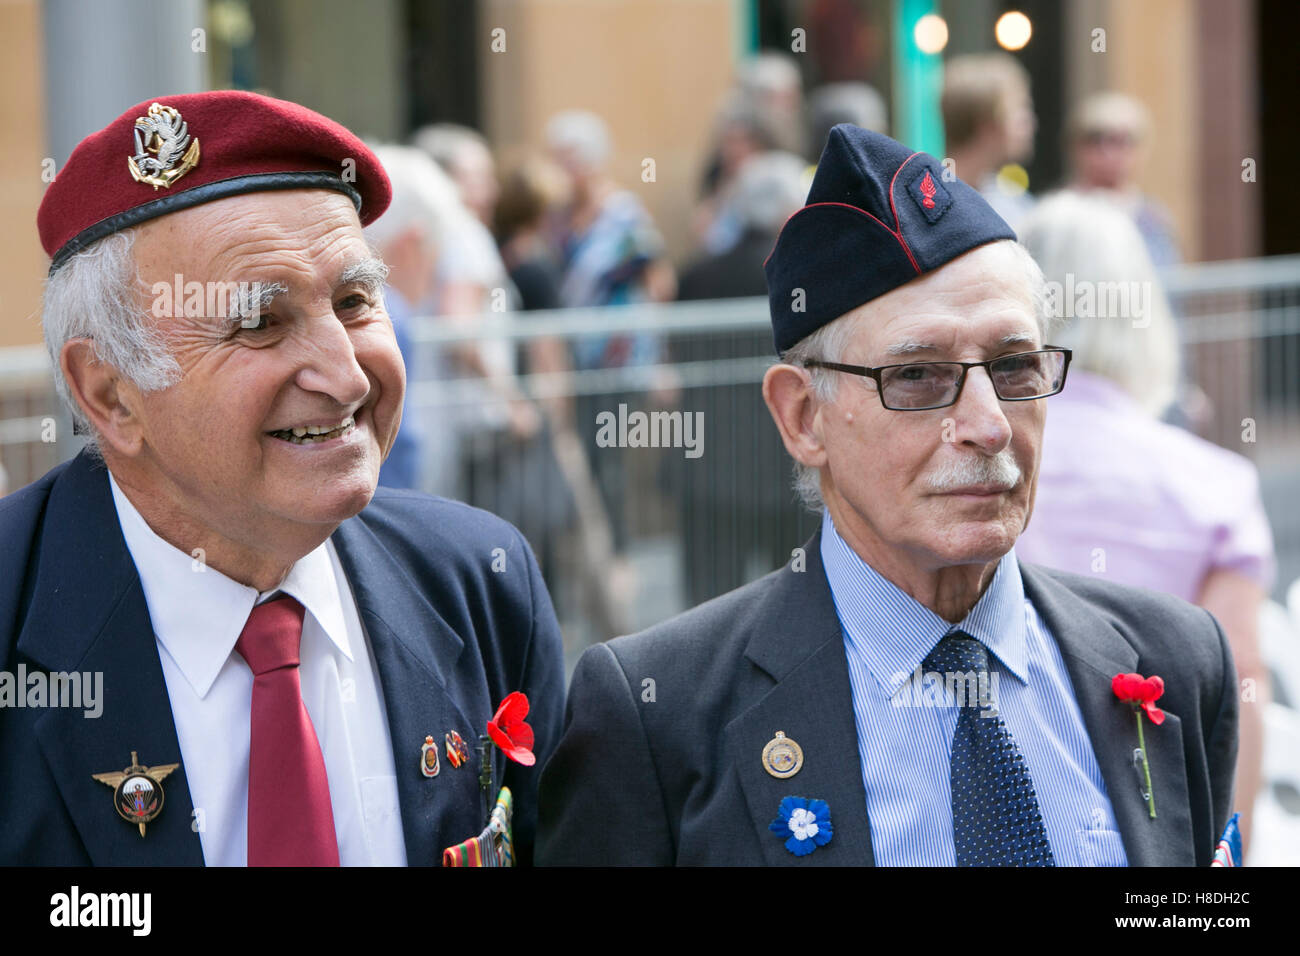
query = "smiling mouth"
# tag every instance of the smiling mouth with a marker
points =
(313, 434)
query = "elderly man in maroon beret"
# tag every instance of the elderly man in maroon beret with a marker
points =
(271, 653)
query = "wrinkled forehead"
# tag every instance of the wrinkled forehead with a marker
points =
(979, 302)
(298, 230)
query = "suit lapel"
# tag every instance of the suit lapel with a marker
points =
(802, 650)
(416, 652)
(88, 614)
(1094, 652)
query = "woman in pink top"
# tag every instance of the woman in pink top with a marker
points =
(1121, 493)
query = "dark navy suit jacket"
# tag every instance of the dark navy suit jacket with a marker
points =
(665, 730)
(451, 638)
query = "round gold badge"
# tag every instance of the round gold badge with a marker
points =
(782, 757)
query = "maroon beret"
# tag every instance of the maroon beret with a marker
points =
(174, 152)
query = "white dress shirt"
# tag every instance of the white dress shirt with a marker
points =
(198, 614)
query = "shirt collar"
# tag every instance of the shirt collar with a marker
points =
(893, 632)
(198, 613)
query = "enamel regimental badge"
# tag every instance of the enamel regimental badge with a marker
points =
(457, 751)
(429, 758)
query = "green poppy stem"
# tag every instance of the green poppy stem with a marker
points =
(485, 775)
(1146, 767)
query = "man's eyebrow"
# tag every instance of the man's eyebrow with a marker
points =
(1017, 338)
(370, 272)
(252, 298)
(912, 347)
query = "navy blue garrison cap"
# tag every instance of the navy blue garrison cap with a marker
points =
(878, 215)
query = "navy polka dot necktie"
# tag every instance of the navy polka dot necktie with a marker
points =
(995, 815)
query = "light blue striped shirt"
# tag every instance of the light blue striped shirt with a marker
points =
(905, 745)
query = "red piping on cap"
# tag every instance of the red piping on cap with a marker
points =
(893, 232)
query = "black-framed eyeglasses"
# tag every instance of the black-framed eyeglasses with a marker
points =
(917, 386)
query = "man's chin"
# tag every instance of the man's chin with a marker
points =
(349, 502)
(979, 542)
(331, 502)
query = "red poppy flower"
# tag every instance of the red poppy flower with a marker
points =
(510, 732)
(1141, 691)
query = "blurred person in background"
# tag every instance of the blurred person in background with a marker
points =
(529, 193)
(769, 188)
(1123, 495)
(407, 240)
(989, 122)
(762, 111)
(771, 81)
(833, 103)
(470, 271)
(464, 155)
(737, 520)
(482, 403)
(612, 254)
(742, 131)
(1107, 137)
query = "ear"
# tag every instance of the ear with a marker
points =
(105, 397)
(788, 392)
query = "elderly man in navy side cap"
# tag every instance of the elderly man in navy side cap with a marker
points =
(904, 692)
(277, 653)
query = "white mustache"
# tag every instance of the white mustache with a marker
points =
(963, 472)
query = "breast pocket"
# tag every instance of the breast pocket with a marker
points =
(1101, 848)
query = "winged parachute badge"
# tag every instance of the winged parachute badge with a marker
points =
(137, 790)
(164, 149)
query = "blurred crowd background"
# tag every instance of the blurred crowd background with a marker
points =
(584, 195)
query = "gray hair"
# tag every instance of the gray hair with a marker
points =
(423, 195)
(581, 132)
(1086, 241)
(833, 103)
(95, 295)
(769, 188)
(830, 343)
(447, 143)
(1109, 111)
(768, 72)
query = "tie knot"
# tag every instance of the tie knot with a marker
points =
(958, 652)
(271, 638)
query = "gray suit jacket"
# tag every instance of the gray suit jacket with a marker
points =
(660, 759)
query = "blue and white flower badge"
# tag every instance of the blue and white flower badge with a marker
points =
(804, 824)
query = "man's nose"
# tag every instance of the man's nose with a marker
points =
(329, 365)
(979, 415)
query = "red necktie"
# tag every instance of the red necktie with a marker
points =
(290, 820)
